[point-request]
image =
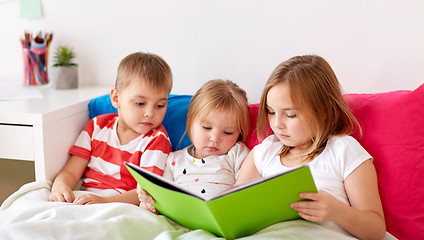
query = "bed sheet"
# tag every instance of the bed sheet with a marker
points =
(27, 214)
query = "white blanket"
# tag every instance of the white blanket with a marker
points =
(27, 214)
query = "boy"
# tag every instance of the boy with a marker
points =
(135, 134)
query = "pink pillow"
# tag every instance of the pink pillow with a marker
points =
(393, 133)
(252, 138)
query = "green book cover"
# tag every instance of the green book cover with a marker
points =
(237, 212)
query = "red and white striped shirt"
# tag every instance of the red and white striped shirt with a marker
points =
(99, 143)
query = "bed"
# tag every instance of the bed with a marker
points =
(393, 126)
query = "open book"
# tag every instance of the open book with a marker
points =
(237, 212)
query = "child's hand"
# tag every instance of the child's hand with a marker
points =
(89, 199)
(146, 201)
(63, 194)
(323, 207)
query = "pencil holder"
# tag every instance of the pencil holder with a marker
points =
(35, 56)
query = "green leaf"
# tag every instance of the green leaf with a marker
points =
(64, 56)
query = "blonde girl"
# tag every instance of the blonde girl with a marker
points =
(217, 124)
(303, 104)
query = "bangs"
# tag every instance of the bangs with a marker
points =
(233, 114)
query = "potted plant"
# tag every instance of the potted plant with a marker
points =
(64, 71)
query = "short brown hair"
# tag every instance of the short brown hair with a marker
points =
(315, 90)
(221, 95)
(148, 67)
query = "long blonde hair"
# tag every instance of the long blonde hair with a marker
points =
(315, 90)
(220, 95)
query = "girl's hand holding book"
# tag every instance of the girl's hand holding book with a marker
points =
(146, 201)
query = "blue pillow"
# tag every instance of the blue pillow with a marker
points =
(100, 105)
(174, 120)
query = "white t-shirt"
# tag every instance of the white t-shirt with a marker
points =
(341, 156)
(208, 176)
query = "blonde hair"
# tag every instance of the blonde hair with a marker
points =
(144, 67)
(315, 90)
(220, 95)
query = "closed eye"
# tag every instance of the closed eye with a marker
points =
(269, 111)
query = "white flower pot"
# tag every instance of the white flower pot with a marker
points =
(64, 77)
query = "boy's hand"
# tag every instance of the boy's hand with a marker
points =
(64, 194)
(67, 179)
(146, 201)
(89, 199)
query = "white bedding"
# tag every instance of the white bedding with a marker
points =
(27, 214)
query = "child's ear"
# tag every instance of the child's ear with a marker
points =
(114, 98)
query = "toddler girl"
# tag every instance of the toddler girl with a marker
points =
(217, 124)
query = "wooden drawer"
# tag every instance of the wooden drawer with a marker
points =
(16, 142)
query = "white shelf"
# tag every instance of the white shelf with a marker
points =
(43, 130)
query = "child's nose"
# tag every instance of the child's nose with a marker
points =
(278, 122)
(148, 112)
(214, 137)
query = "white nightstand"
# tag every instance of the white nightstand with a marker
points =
(43, 130)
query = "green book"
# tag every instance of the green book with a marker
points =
(237, 212)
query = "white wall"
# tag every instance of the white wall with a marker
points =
(373, 46)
